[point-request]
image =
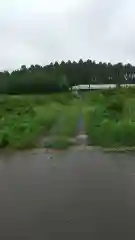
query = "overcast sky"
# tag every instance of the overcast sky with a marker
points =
(41, 31)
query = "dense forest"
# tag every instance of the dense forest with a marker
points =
(60, 76)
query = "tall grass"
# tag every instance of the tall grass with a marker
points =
(111, 121)
(23, 118)
(68, 124)
(22, 131)
(66, 127)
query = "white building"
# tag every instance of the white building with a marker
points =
(98, 86)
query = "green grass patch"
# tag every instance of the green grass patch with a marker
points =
(66, 127)
(110, 119)
(58, 143)
(24, 118)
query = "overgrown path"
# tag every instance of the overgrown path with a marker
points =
(69, 129)
(81, 137)
(73, 194)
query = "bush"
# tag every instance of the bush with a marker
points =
(112, 122)
(115, 105)
(58, 143)
(22, 119)
(109, 92)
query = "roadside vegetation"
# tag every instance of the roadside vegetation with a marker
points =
(24, 118)
(110, 117)
(65, 129)
(36, 101)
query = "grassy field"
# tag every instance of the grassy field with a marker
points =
(110, 117)
(24, 118)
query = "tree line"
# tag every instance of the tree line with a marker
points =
(57, 77)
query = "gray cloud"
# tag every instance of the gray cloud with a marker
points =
(43, 31)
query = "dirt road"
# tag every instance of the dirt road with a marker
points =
(72, 195)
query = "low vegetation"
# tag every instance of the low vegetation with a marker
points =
(24, 118)
(110, 117)
(65, 129)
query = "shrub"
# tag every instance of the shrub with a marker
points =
(58, 143)
(112, 122)
(115, 105)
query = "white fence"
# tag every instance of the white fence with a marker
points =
(99, 86)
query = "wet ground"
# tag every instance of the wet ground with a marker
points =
(74, 194)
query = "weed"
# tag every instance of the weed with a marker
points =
(112, 122)
(58, 143)
(23, 118)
